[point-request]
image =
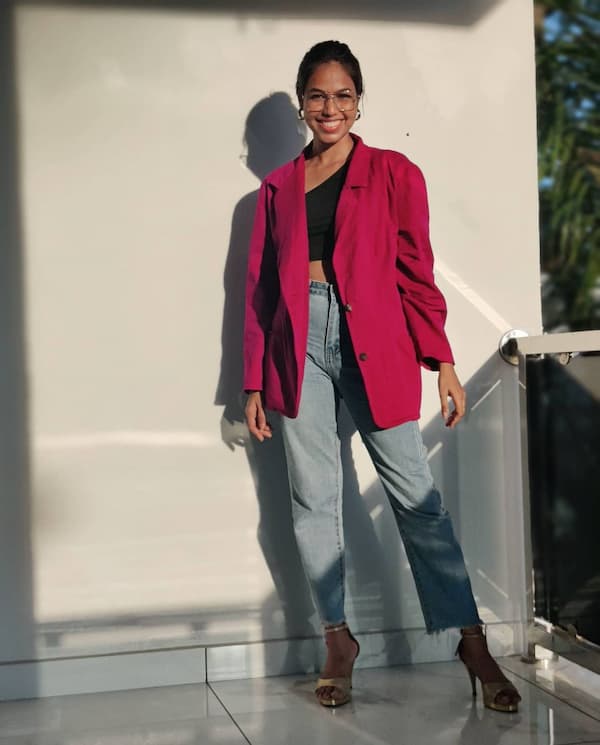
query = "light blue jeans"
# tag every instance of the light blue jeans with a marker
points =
(312, 449)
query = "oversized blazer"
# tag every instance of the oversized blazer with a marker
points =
(383, 269)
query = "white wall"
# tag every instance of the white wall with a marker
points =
(147, 529)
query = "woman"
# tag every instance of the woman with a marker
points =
(341, 302)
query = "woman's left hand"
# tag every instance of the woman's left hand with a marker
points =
(449, 387)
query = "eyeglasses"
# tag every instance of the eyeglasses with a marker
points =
(344, 101)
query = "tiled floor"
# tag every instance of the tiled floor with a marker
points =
(428, 704)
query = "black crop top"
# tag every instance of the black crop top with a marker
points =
(321, 204)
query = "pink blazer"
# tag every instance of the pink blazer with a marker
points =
(383, 267)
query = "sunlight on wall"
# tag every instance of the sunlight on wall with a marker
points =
(150, 521)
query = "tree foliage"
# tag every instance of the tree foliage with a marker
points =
(568, 99)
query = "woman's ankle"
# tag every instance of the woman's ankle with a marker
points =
(333, 627)
(475, 630)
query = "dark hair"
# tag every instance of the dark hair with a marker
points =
(328, 51)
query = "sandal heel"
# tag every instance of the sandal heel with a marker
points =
(473, 679)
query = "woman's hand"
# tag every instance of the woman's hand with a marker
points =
(255, 417)
(449, 387)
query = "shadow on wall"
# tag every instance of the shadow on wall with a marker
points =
(16, 580)
(446, 12)
(273, 135)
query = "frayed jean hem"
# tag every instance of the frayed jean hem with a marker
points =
(432, 630)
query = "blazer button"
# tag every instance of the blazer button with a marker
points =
(362, 356)
(347, 307)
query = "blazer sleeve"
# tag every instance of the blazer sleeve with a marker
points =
(424, 305)
(261, 294)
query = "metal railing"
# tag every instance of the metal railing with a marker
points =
(559, 379)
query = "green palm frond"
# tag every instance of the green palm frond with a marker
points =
(568, 95)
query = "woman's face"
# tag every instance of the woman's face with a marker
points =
(323, 115)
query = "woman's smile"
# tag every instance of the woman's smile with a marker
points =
(330, 125)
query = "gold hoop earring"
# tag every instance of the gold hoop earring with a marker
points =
(300, 114)
(358, 115)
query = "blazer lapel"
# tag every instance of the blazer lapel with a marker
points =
(356, 180)
(292, 232)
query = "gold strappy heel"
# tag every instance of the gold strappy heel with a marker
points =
(491, 690)
(343, 684)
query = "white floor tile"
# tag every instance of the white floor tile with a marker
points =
(178, 715)
(427, 704)
(567, 681)
(408, 705)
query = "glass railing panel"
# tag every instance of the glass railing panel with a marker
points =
(563, 417)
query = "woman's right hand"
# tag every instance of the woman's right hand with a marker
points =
(255, 417)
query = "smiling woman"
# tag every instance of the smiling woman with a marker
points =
(341, 243)
(329, 89)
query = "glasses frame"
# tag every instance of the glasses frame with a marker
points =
(333, 97)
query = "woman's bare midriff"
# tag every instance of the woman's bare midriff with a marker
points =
(319, 272)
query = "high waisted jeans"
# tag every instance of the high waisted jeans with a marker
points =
(314, 466)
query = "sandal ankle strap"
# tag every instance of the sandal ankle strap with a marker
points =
(338, 627)
(480, 632)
